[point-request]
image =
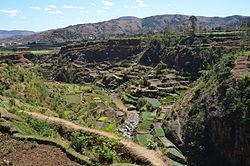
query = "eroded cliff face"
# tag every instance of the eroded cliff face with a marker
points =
(231, 139)
(189, 54)
(214, 117)
(111, 50)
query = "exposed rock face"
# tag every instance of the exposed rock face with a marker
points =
(190, 54)
(152, 55)
(111, 50)
(230, 139)
(22, 59)
(92, 61)
(214, 117)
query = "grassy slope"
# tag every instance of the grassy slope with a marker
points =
(217, 94)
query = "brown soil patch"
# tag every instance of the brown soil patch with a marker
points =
(22, 153)
(241, 66)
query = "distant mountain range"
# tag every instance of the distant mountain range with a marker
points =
(7, 34)
(127, 26)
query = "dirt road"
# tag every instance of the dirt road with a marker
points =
(139, 152)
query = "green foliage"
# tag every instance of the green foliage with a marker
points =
(144, 139)
(218, 95)
(148, 116)
(175, 155)
(75, 89)
(224, 66)
(159, 132)
(148, 104)
(42, 127)
(193, 21)
(110, 128)
(24, 128)
(27, 85)
(42, 52)
(104, 148)
(235, 98)
(75, 99)
(169, 99)
(145, 125)
(129, 99)
(81, 141)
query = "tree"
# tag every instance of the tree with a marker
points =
(193, 21)
(245, 34)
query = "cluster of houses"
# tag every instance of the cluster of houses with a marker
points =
(9, 44)
(30, 45)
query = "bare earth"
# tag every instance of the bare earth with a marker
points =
(21, 153)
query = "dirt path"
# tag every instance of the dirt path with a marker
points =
(139, 152)
(119, 104)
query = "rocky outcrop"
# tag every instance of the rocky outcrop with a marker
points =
(191, 54)
(23, 59)
(111, 50)
(230, 139)
(152, 56)
(214, 117)
(101, 62)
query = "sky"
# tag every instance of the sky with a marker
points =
(40, 15)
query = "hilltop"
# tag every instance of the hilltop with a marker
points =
(129, 26)
(7, 34)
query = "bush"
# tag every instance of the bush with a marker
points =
(81, 141)
(224, 67)
(106, 150)
(43, 128)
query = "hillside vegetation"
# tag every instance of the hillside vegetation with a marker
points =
(150, 100)
(130, 26)
(215, 117)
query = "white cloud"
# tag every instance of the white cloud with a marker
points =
(10, 12)
(35, 7)
(55, 12)
(52, 6)
(52, 9)
(93, 4)
(100, 11)
(73, 7)
(68, 7)
(107, 3)
(140, 4)
(131, 6)
(84, 11)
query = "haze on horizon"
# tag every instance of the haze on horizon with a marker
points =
(51, 14)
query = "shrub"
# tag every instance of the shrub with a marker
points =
(106, 150)
(42, 127)
(80, 141)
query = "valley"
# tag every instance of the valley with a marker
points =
(157, 99)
